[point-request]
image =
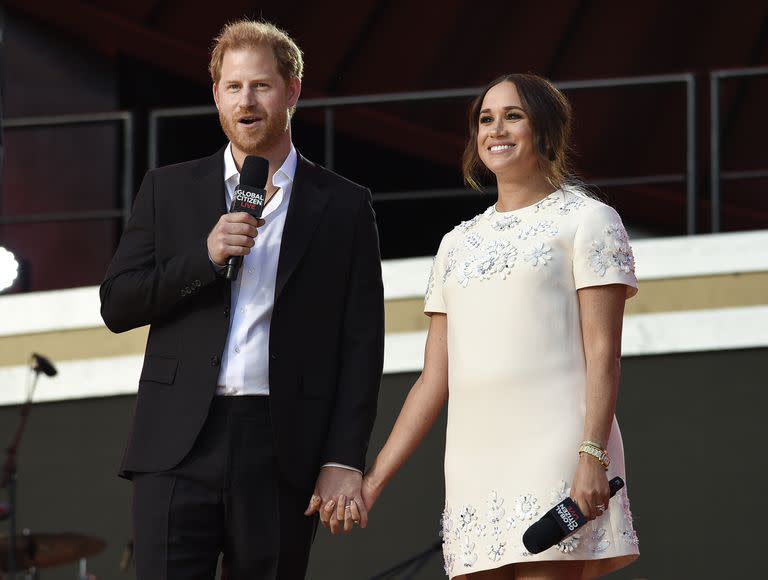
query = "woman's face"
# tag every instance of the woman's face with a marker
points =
(505, 139)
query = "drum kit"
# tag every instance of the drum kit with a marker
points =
(34, 551)
(27, 553)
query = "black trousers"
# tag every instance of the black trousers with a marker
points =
(226, 498)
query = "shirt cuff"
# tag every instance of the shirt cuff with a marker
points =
(342, 466)
(217, 267)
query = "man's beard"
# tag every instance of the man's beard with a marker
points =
(273, 128)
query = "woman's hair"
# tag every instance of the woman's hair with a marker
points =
(550, 115)
(250, 34)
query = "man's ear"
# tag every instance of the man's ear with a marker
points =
(294, 90)
(215, 90)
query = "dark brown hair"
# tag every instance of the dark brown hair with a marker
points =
(550, 115)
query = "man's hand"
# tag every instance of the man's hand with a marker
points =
(338, 500)
(233, 235)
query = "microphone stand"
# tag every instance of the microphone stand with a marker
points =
(9, 472)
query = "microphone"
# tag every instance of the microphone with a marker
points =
(43, 365)
(249, 197)
(559, 522)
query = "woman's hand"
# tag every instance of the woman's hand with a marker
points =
(590, 487)
(370, 490)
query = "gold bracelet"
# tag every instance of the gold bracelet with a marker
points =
(597, 452)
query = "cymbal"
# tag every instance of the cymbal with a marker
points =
(43, 550)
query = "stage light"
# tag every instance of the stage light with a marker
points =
(9, 269)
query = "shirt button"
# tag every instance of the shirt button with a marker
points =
(251, 270)
(237, 349)
(215, 360)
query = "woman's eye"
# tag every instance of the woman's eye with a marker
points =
(514, 116)
(485, 119)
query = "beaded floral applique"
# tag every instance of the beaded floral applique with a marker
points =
(612, 252)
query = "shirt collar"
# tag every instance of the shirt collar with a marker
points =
(282, 177)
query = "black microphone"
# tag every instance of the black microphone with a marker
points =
(559, 522)
(249, 197)
(43, 365)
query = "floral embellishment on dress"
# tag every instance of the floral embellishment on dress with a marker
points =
(473, 240)
(526, 507)
(496, 551)
(547, 227)
(450, 264)
(468, 554)
(559, 493)
(539, 255)
(614, 252)
(570, 205)
(598, 540)
(467, 519)
(548, 201)
(495, 514)
(468, 224)
(627, 533)
(430, 282)
(506, 222)
(569, 544)
(446, 525)
(497, 258)
(448, 560)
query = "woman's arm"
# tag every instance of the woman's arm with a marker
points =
(420, 410)
(602, 312)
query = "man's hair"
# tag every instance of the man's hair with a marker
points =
(251, 33)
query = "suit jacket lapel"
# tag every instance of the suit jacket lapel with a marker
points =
(308, 200)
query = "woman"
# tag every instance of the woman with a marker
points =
(526, 303)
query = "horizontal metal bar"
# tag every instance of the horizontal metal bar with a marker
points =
(492, 191)
(625, 81)
(60, 120)
(72, 216)
(445, 94)
(430, 194)
(750, 174)
(641, 180)
(740, 72)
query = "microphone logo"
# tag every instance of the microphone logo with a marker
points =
(568, 515)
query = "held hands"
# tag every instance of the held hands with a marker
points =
(338, 501)
(233, 235)
(590, 487)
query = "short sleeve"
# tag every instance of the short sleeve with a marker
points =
(601, 251)
(433, 299)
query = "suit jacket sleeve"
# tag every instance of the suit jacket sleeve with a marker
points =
(141, 288)
(362, 352)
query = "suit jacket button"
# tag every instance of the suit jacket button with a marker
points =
(226, 311)
(215, 360)
(273, 356)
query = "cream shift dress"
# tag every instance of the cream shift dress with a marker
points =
(517, 380)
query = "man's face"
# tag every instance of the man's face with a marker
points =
(253, 101)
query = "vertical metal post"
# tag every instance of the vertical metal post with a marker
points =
(328, 133)
(128, 143)
(152, 159)
(714, 149)
(690, 161)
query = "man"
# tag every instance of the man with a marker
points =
(252, 391)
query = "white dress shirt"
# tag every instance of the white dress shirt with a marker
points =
(245, 363)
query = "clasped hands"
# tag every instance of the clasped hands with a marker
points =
(339, 499)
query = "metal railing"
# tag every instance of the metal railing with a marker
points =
(329, 106)
(715, 145)
(126, 188)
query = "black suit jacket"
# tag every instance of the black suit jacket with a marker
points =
(327, 331)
